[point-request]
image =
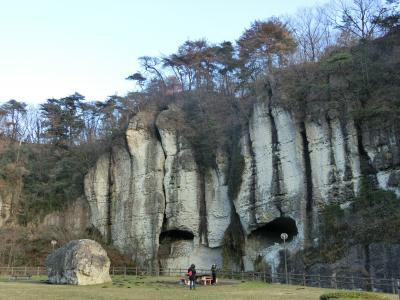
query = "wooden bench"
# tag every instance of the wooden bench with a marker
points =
(206, 280)
(184, 281)
(20, 277)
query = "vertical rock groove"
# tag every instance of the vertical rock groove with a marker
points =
(276, 163)
(110, 183)
(158, 136)
(156, 261)
(333, 174)
(348, 168)
(331, 155)
(203, 225)
(131, 172)
(253, 183)
(366, 166)
(308, 183)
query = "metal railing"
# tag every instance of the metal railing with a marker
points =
(388, 285)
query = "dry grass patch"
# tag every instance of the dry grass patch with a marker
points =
(155, 288)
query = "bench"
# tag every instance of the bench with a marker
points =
(206, 280)
(184, 281)
(20, 277)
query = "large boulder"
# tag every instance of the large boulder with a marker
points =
(80, 262)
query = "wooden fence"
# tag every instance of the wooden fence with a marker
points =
(388, 285)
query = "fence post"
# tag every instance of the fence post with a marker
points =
(124, 270)
(319, 280)
(352, 282)
(371, 279)
(398, 287)
(38, 271)
(304, 279)
(393, 286)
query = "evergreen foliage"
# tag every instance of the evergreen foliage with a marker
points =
(374, 217)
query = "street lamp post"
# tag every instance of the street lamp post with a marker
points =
(284, 237)
(53, 243)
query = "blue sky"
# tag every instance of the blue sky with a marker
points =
(58, 47)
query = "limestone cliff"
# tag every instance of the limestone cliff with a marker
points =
(151, 200)
(126, 194)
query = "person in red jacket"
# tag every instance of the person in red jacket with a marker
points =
(192, 276)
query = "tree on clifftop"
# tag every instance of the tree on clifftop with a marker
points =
(265, 45)
(62, 119)
(12, 112)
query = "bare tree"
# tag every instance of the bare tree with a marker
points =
(33, 123)
(152, 65)
(357, 17)
(313, 32)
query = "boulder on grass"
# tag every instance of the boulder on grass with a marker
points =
(80, 262)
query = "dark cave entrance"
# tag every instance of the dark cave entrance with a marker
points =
(270, 233)
(171, 236)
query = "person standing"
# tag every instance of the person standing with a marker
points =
(214, 274)
(192, 276)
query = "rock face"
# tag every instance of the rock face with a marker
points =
(75, 218)
(152, 201)
(125, 192)
(80, 262)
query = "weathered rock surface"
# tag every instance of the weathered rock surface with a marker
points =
(150, 199)
(182, 179)
(80, 262)
(125, 192)
(74, 218)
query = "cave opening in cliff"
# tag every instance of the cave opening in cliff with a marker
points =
(271, 232)
(168, 240)
(171, 236)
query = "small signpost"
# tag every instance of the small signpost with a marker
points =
(284, 237)
(53, 243)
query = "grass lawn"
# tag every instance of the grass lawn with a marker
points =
(154, 288)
